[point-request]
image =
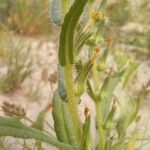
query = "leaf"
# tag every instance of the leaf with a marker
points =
(81, 39)
(82, 77)
(13, 127)
(109, 121)
(129, 112)
(70, 129)
(59, 123)
(61, 83)
(90, 90)
(120, 58)
(97, 38)
(119, 146)
(66, 53)
(86, 140)
(59, 8)
(106, 92)
(63, 124)
(102, 60)
(56, 11)
(129, 71)
(40, 125)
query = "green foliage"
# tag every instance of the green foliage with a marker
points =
(106, 92)
(87, 141)
(81, 38)
(120, 59)
(125, 62)
(59, 120)
(13, 127)
(132, 66)
(128, 115)
(40, 125)
(81, 79)
(66, 54)
(40, 121)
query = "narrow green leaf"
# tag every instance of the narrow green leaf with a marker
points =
(81, 79)
(66, 54)
(63, 125)
(90, 90)
(13, 127)
(129, 71)
(56, 11)
(40, 125)
(61, 83)
(109, 121)
(106, 92)
(70, 129)
(86, 140)
(130, 110)
(102, 60)
(97, 38)
(120, 58)
(81, 39)
(58, 117)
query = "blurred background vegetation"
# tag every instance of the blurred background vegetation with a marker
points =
(31, 17)
(26, 17)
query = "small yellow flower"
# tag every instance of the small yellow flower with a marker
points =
(96, 16)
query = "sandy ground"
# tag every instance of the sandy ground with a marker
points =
(35, 94)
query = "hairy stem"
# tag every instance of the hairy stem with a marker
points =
(101, 131)
(96, 78)
(71, 100)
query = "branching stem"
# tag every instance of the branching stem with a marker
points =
(101, 131)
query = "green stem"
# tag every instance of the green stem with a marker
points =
(95, 78)
(101, 131)
(71, 100)
(95, 75)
